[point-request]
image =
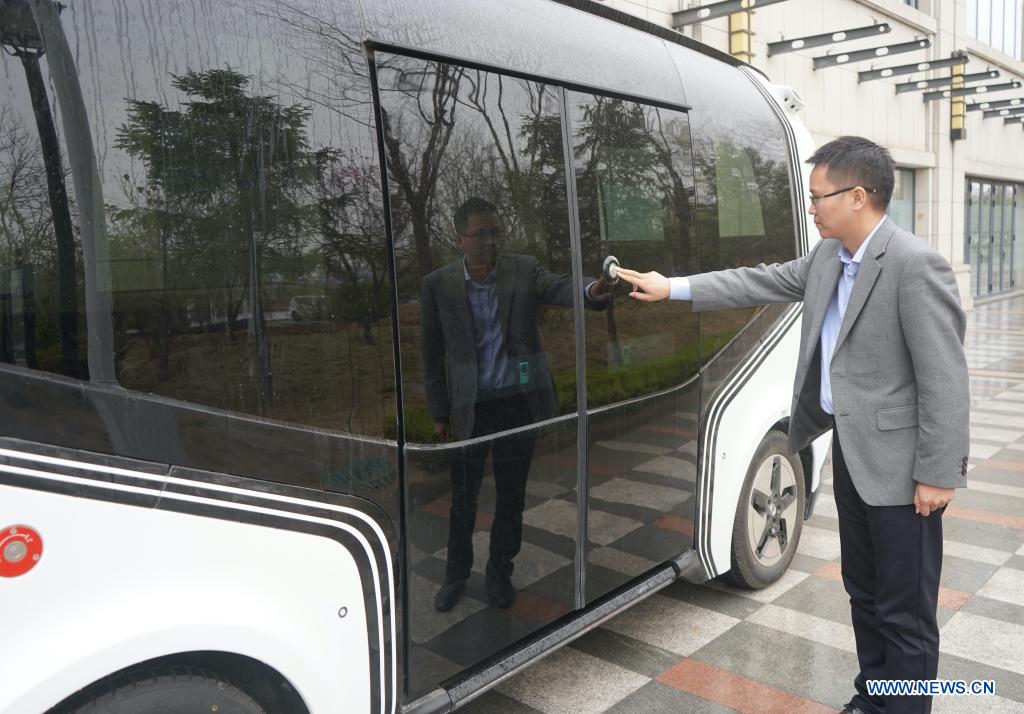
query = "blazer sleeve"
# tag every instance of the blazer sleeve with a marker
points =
(748, 287)
(556, 289)
(432, 351)
(934, 324)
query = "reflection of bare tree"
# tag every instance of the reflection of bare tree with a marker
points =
(414, 171)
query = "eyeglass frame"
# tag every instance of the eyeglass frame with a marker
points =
(815, 199)
(495, 234)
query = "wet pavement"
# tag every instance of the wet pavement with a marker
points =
(790, 648)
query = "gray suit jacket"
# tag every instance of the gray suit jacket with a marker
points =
(898, 372)
(448, 348)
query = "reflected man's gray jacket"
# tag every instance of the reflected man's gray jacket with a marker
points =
(899, 376)
(448, 348)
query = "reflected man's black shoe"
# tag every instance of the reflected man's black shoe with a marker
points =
(500, 592)
(852, 709)
(448, 595)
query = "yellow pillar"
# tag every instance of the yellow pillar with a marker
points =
(739, 34)
(957, 107)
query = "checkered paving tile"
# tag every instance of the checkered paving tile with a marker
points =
(789, 648)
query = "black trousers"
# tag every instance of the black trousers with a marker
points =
(511, 457)
(891, 561)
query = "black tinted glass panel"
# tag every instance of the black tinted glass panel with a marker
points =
(486, 293)
(634, 182)
(744, 196)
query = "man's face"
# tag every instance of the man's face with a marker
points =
(480, 238)
(832, 215)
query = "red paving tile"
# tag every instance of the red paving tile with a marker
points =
(537, 608)
(1001, 465)
(732, 690)
(568, 461)
(974, 514)
(948, 597)
(675, 524)
(439, 507)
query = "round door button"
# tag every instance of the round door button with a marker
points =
(21, 548)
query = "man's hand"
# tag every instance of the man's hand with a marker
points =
(647, 287)
(931, 498)
(598, 290)
(441, 429)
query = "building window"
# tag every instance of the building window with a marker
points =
(901, 207)
(912, 3)
(998, 23)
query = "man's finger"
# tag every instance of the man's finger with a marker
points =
(642, 297)
(917, 500)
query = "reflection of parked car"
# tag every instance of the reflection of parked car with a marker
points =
(307, 307)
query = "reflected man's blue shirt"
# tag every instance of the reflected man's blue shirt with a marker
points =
(679, 289)
(492, 367)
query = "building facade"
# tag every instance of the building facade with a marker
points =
(956, 130)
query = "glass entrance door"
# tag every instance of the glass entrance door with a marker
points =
(991, 217)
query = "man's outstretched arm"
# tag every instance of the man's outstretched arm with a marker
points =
(738, 287)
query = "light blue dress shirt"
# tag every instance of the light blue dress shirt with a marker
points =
(492, 365)
(679, 289)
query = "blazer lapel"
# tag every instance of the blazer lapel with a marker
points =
(818, 307)
(870, 267)
(455, 291)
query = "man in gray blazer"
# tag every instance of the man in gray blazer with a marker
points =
(485, 371)
(881, 364)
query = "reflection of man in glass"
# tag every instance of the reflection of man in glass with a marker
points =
(485, 371)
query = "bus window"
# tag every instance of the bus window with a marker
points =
(634, 182)
(485, 308)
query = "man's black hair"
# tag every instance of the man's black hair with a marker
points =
(473, 206)
(856, 161)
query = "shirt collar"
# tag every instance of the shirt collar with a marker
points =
(489, 280)
(844, 254)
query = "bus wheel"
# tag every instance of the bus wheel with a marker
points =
(769, 516)
(158, 690)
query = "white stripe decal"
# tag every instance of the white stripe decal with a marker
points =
(715, 412)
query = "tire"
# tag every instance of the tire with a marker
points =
(769, 515)
(162, 690)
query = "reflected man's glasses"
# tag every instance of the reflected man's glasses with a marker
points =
(485, 233)
(814, 199)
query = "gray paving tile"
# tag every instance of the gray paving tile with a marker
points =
(808, 669)
(494, 702)
(1015, 561)
(1008, 684)
(571, 681)
(1007, 584)
(1006, 504)
(964, 575)
(806, 563)
(670, 624)
(821, 597)
(986, 640)
(996, 609)
(658, 698)
(725, 603)
(627, 652)
(989, 535)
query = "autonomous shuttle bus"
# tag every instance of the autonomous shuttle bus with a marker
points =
(258, 417)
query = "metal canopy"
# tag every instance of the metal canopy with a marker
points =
(827, 38)
(943, 81)
(980, 106)
(682, 18)
(965, 91)
(884, 72)
(1013, 120)
(872, 53)
(1008, 112)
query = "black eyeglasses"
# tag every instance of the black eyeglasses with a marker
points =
(485, 233)
(815, 199)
